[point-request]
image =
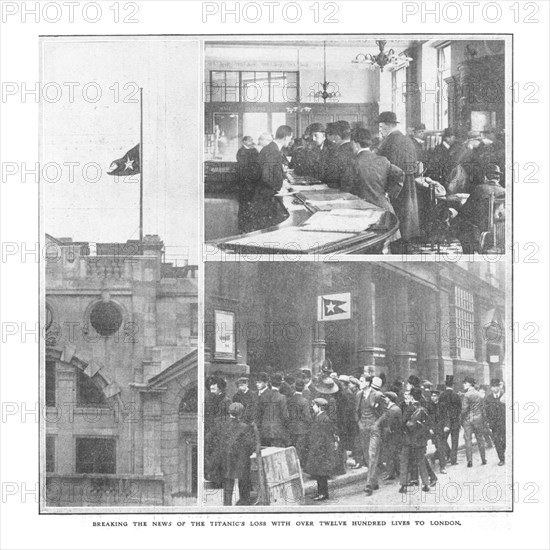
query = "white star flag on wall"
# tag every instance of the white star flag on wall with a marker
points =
(334, 307)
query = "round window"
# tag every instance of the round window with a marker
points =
(106, 318)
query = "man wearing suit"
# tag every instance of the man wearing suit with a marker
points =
(439, 428)
(391, 428)
(378, 179)
(369, 409)
(248, 399)
(451, 402)
(299, 420)
(495, 414)
(307, 391)
(341, 172)
(472, 420)
(474, 216)
(266, 209)
(235, 444)
(248, 173)
(419, 131)
(399, 150)
(322, 153)
(444, 159)
(272, 417)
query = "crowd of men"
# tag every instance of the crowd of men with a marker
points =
(339, 422)
(391, 170)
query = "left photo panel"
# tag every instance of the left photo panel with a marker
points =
(120, 120)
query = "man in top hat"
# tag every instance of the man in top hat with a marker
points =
(248, 399)
(235, 444)
(342, 173)
(474, 216)
(439, 429)
(472, 420)
(450, 401)
(299, 420)
(495, 415)
(369, 409)
(322, 445)
(272, 412)
(399, 150)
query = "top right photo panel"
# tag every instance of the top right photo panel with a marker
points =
(357, 144)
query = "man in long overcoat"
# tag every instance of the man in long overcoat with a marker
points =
(322, 444)
(399, 150)
(235, 443)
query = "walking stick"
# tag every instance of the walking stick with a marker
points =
(262, 498)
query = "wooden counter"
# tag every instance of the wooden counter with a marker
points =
(288, 238)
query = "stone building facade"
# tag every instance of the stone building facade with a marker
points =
(120, 376)
(426, 318)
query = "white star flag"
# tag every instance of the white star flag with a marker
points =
(334, 307)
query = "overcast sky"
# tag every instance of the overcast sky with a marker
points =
(82, 130)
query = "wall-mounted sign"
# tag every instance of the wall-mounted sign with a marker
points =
(225, 347)
(334, 307)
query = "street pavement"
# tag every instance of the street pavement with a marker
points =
(476, 488)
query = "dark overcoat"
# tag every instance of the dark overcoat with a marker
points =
(416, 425)
(249, 401)
(233, 442)
(321, 457)
(399, 150)
(272, 415)
(265, 209)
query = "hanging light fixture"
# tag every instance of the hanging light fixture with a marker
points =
(324, 94)
(384, 58)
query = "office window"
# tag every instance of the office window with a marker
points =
(95, 455)
(253, 86)
(399, 98)
(50, 453)
(88, 394)
(464, 318)
(443, 72)
(50, 383)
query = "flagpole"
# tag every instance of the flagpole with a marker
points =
(141, 168)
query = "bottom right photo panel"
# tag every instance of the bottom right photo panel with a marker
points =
(357, 386)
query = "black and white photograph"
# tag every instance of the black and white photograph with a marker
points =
(364, 386)
(356, 144)
(119, 368)
(274, 274)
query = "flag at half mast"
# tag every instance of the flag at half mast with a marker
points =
(128, 165)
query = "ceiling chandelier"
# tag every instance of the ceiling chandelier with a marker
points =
(324, 93)
(384, 59)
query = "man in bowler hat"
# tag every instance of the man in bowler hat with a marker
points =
(399, 150)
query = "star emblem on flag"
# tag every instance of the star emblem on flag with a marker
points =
(128, 165)
(333, 307)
